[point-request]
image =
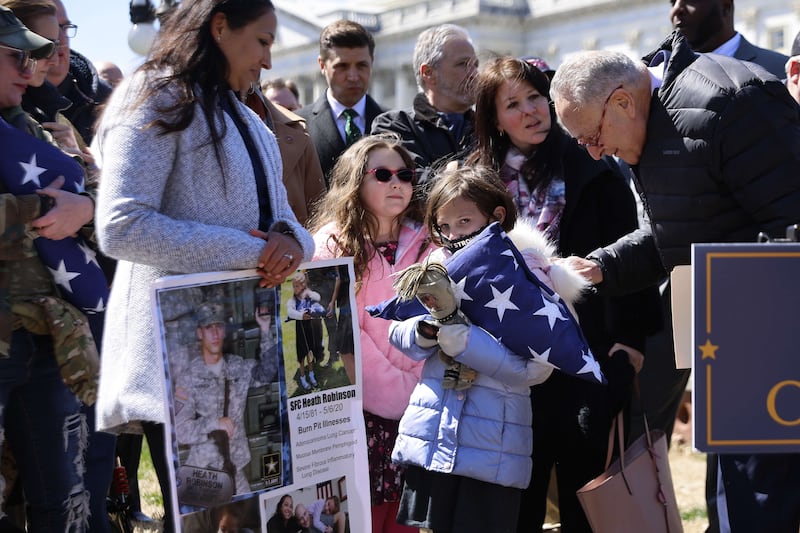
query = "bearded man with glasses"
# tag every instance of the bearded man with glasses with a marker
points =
(438, 125)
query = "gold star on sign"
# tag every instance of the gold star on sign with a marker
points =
(709, 350)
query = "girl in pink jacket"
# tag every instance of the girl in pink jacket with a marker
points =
(374, 214)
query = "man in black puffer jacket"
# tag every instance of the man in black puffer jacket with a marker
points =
(715, 147)
(86, 93)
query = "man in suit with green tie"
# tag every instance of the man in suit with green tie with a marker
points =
(345, 112)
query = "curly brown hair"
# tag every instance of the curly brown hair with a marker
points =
(356, 227)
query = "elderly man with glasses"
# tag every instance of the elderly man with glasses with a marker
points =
(714, 145)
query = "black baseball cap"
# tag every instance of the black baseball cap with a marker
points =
(14, 34)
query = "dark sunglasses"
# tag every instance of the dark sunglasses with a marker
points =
(25, 63)
(384, 175)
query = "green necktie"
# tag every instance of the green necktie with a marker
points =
(351, 131)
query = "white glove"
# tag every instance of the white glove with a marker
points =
(422, 340)
(453, 339)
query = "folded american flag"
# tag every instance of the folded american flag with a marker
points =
(498, 292)
(29, 164)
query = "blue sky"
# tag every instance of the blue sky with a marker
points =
(103, 27)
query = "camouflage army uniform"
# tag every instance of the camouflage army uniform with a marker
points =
(200, 399)
(45, 334)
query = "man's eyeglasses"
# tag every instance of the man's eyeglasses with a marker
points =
(25, 63)
(69, 29)
(594, 140)
(384, 175)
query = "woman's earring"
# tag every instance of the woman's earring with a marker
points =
(219, 38)
(501, 133)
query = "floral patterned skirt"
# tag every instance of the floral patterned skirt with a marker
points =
(385, 478)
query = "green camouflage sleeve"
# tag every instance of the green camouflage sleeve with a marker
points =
(15, 214)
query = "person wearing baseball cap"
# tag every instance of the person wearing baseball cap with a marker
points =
(14, 35)
(42, 400)
(23, 48)
(213, 390)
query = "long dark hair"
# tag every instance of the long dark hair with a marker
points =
(492, 147)
(186, 57)
(280, 503)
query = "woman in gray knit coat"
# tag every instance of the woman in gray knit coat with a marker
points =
(191, 182)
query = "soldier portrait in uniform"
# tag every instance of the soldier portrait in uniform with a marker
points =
(229, 402)
(231, 372)
(213, 391)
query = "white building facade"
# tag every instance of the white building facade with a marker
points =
(551, 29)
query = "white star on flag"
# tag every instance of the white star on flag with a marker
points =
(89, 255)
(551, 311)
(32, 171)
(502, 302)
(101, 306)
(460, 293)
(543, 357)
(510, 254)
(591, 365)
(62, 276)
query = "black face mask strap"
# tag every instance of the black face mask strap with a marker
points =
(455, 245)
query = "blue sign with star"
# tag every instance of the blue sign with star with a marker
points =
(747, 359)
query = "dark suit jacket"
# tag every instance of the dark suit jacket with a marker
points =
(324, 133)
(771, 61)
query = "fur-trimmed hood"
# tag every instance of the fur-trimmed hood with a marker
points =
(540, 255)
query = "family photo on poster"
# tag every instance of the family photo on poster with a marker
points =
(264, 399)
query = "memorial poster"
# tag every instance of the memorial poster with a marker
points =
(264, 399)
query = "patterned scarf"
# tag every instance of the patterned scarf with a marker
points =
(544, 206)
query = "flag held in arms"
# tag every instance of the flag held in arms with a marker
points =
(30, 164)
(498, 292)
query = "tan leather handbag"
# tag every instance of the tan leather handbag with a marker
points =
(635, 493)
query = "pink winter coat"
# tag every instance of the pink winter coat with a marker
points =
(389, 376)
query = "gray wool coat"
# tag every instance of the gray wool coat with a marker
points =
(168, 205)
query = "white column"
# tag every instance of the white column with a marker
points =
(404, 87)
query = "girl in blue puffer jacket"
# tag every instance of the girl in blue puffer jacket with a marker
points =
(468, 452)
